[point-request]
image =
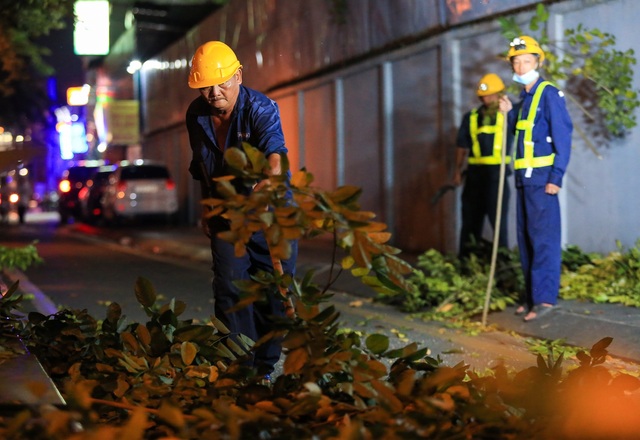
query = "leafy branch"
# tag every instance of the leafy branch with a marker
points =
(309, 213)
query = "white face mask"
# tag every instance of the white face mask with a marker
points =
(527, 78)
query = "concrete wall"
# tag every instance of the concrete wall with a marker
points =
(373, 96)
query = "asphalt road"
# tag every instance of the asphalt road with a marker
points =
(87, 273)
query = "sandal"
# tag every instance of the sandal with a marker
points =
(538, 311)
(520, 309)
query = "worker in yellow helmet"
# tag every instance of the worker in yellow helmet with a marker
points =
(224, 115)
(479, 150)
(542, 128)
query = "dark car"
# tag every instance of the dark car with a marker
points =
(73, 180)
(90, 197)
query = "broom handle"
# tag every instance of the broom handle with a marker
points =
(496, 231)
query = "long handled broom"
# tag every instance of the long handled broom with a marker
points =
(496, 227)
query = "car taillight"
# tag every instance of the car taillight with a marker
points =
(170, 184)
(83, 193)
(121, 190)
(64, 186)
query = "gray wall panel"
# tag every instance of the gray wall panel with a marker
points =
(419, 153)
(320, 135)
(362, 129)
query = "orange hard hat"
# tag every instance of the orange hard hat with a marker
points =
(489, 85)
(213, 63)
(525, 44)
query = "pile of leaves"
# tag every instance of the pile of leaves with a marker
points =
(19, 257)
(173, 378)
(611, 278)
(446, 288)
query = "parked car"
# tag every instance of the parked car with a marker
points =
(140, 189)
(90, 197)
(73, 180)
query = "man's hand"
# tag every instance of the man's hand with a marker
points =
(505, 104)
(552, 189)
(263, 183)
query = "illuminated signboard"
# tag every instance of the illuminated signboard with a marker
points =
(91, 30)
(117, 121)
(78, 96)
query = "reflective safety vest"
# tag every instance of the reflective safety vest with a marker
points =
(526, 125)
(476, 157)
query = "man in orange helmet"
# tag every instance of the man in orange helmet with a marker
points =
(479, 146)
(224, 115)
(543, 129)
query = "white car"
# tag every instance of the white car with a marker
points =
(140, 188)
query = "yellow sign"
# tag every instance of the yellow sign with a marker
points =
(78, 95)
(122, 122)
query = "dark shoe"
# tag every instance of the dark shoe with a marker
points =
(538, 311)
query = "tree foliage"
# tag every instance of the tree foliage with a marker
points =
(22, 65)
(598, 75)
(21, 257)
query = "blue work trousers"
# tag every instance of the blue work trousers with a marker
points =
(539, 235)
(254, 320)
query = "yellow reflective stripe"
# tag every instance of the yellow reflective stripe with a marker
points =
(473, 130)
(488, 160)
(534, 162)
(526, 125)
(477, 158)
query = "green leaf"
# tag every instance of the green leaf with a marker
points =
(346, 194)
(145, 292)
(258, 161)
(600, 347)
(188, 352)
(377, 343)
(219, 325)
(236, 158)
(198, 333)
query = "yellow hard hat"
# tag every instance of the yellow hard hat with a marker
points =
(489, 85)
(213, 63)
(525, 44)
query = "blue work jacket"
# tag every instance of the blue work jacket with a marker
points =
(551, 135)
(255, 120)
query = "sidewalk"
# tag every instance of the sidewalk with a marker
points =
(580, 324)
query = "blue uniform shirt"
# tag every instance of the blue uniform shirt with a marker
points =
(255, 120)
(551, 134)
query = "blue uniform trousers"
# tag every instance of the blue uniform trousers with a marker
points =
(253, 321)
(539, 235)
